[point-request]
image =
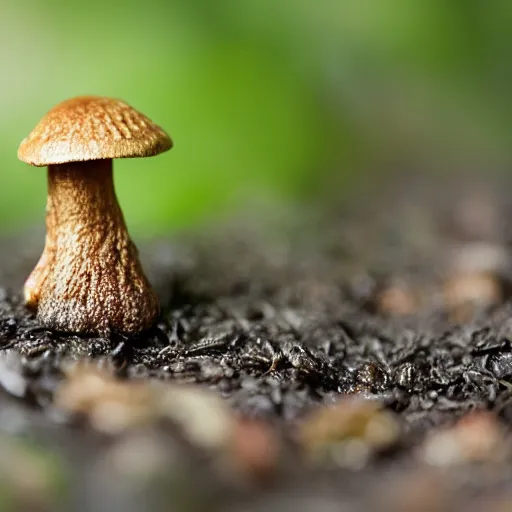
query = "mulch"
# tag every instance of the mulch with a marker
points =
(313, 324)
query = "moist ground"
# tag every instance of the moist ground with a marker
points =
(398, 298)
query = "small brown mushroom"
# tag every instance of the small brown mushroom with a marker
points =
(89, 278)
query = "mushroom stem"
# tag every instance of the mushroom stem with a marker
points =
(35, 281)
(94, 282)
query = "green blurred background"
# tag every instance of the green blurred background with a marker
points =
(266, 100)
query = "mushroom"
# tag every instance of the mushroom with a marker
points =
(89, 279)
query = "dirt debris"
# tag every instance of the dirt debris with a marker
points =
(388, 314)
(348, 433)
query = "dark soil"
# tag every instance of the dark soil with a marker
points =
(282, 317)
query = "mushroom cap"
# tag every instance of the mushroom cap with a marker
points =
(92, 128)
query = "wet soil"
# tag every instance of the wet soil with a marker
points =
(399, 298)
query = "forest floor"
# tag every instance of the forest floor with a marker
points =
(348, 358)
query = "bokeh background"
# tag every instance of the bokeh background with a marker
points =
(289, 100)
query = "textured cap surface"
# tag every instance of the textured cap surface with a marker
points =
(92, 128)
